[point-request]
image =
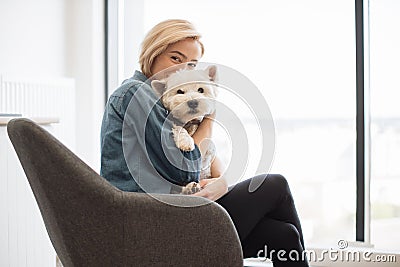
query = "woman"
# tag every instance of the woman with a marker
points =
(264, 218)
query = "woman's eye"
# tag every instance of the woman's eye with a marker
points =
(175, 58)
(200, 90)
(180, 91)
(192, 65)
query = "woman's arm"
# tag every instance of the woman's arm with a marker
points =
(217, 168)
(215, 187)
(204, 131)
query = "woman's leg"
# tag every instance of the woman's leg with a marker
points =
(272, 199)
(272, 203)
(276, 240)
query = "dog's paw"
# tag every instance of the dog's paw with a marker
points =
(191, 188)
(182, 139)
(186, 143)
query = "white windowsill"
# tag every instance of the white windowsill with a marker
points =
(39, 120)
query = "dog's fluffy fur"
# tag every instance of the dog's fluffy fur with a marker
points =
(189, 95)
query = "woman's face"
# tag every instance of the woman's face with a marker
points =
(185, 51)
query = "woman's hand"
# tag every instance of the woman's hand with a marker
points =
(212, 188)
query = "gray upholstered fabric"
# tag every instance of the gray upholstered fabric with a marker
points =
(91, 223)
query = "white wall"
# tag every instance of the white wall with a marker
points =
(32, 37)
(58, 38)
(85, 62)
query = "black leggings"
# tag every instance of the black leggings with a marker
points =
(266, 218)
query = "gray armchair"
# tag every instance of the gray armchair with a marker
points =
(91, 223)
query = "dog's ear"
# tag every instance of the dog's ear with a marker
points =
(158, 86)
(212, 72)
(216, 91)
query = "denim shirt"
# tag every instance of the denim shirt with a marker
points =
(138, 152)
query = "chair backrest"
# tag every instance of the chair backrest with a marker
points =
(77, 205)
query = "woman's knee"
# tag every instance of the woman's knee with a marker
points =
(291, 233)
(279, 182)
(287, 236)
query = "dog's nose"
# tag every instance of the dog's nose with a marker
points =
(193, 103)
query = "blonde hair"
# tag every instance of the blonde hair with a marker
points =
(161, 36)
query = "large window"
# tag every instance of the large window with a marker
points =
(385, 122)
(302, 57)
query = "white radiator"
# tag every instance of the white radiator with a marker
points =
(42, 98)
(23, 237)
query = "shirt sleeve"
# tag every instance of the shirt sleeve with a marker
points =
(113, 164)
(150, 136)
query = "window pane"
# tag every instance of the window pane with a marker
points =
(385, 122)
(301, 55)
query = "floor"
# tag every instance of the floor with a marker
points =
(255, 262)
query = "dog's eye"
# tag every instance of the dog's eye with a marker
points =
(180, 91)
(191, 64)
(200, 90)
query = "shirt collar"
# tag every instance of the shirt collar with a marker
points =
(138, 75)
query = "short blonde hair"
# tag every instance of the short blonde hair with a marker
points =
(161, 36)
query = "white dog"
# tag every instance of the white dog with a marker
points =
(189, 95)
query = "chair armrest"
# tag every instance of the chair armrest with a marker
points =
(200, 234)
